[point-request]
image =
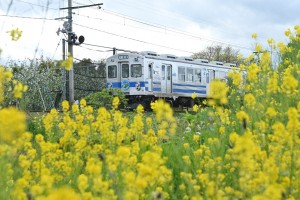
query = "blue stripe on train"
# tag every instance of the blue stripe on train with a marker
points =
(142, 84)
(132, 84)
(189, 91)
(189, 85)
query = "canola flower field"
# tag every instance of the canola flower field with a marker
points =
(243, 144)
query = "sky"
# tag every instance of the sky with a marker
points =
(178, 27)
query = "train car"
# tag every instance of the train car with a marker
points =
(146, 76)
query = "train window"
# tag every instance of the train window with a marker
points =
(125, 70)
(198, 75)
(207, 77)
(112, 71)
(181, 73)
(169, 72)
(150, 74)
(212, 75)
(190, 74)
(163, 73)
(136, 70)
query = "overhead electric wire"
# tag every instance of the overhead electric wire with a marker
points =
(111, 48)
(94, 49)
(165, 28)
(33, 4)
(173, 30)
(88, 16)
(42, 31)
(133, 39)
(56, 48)
(24, 17)
(7, 11)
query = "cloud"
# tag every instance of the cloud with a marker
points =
(141, 25)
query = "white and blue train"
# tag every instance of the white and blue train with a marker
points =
(147, 76)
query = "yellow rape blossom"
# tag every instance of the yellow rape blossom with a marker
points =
(140, 109)
(236, 77)
(273, 83)
(242, 116)
(65, 106)
(116, 102)
(288, 32)
(250, 100)
(271, 43)
(68, 63)
(252, 72)
(15, 34)
(259, 48)
(12, 124)
(61, 193)
(218, 92)
(195, 108)
(254, 35)
(19, 88)
(282, 47)
(5, 76)
(290, 83)
(82, 103)
(271, 112)
(82, 182)
(194, 95)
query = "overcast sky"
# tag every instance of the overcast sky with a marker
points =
(179, 27)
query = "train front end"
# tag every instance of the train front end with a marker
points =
(125, 71)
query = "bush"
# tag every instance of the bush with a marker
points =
(105, 98)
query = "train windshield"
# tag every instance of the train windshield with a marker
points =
(112, 71)
(125, 70)
(136, 70)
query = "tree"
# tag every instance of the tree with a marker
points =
(44, 80)
(219, 53)
(89, 77)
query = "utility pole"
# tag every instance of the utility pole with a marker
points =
(70, 52)
(71, 41)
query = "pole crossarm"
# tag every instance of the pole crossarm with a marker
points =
(85, 6)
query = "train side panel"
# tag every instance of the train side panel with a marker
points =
(144, 77)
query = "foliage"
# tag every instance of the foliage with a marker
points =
(244, 144)
(105, 97)
(219, 53)
(44, 80)
(89, 77)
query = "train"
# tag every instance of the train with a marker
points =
(146, 76)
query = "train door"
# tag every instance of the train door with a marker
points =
(212, 75)
(166, 78)
(150, 77)
(124, 76)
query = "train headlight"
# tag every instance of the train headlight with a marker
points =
(137, 86)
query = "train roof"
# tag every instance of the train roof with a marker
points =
(174, 58)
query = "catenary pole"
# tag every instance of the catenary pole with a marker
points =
(70, 52)
(69, 29)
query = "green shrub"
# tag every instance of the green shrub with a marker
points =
(105, 97)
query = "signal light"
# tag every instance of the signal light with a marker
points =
(81, 39)
(74, 39)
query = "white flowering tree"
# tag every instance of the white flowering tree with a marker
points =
(46, 84)
(44, 80)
